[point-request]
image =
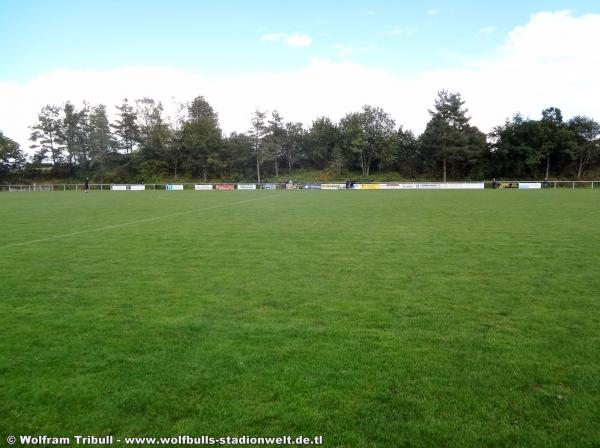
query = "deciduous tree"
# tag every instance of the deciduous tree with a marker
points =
(201, 139)
(101, 142)
(126, 127)
(586, 147)
(257, 133)
(11, 156)
(46, 136)
(369, 134)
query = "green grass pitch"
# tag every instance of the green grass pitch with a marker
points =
(373, 318)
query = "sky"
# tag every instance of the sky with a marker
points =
(304, 58)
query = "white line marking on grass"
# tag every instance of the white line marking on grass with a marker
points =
(124, 224)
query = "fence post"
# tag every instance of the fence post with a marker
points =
(573, 185)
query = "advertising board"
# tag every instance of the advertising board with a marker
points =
(530, 185)
(465, 185)
(333, 186)
(451, 186)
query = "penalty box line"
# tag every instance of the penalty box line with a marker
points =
(125, 224)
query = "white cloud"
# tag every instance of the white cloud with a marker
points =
(550, 61)
(293, 40)
(393, 32)
(343, 50)
(272, 37)
(298, 40)
(487, 30)
(485, 33)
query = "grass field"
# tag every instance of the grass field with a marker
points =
(373, 318)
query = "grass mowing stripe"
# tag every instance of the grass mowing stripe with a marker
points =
(115, 226)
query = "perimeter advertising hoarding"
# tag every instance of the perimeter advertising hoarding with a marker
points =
(367, 186)
(198, 187)
(312, 186)
(174, 187)
(118, 187)
(465, 185)
(225, 187)
(396, 186)
(246, 187)
(430, 186)
(433, 186)
(137, 187)
(333, 186)
(452, 186)
(270, 186)
(530, 185)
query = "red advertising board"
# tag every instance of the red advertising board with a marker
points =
(225, 186)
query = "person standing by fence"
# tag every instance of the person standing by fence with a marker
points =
(86, 184)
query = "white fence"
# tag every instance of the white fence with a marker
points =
(521, 184)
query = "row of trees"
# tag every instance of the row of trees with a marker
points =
(12, 158)
(142, 144)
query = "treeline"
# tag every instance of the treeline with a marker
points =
(143, 145)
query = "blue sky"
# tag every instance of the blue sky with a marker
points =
(224, 36)
(304, 58)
